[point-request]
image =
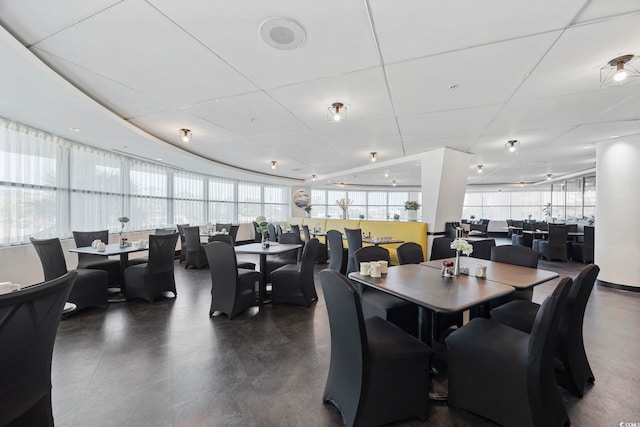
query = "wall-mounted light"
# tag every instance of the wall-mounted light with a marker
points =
(512, 145)
(479, 167)
(274, 164)
(373, 156)
(313, 177)
(549, 177)
(337, 112)
(185, 135)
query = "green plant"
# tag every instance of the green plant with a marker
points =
(411, 205)
(547, 210)
(263, 225)
(123, 220)
(396, 216)
(307, 208)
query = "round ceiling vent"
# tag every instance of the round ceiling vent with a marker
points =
(282, 33)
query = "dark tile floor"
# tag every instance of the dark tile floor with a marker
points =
(169, 364)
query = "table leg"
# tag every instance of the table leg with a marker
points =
(262, 292)
(428, 334)
(122, 295)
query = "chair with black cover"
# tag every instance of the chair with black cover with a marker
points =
(556, 247)
(90, 287)
(295, 228)
(233, 232)
(524, 239)
(354, 242)
(160, 231)
(378, 374)
(195, 249)
(509, 229)
(507, 375)
(441, 248)
(233, 289)
(479, 230)
(410, 253)
(377, 303)
(29, 321)
(147, 281)
(516, 255)
(272, 232)
(228, 239)
(573, 371)
(338, 254)
(583, 251)
(223, 227)
(482, 248)
(97, 262)
(258, 234)
(279, 230)
(293, 284)
(321, 253)
(290, 257)
(183, 244)
(306, 232)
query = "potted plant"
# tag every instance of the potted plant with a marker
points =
(412, 207)
(547, 211)
(344, 205)
(308, 209)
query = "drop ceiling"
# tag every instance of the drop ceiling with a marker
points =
(415, 76)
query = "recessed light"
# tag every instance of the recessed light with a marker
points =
(282, 33)
(159, 159)
(74, 129)
(274, 164)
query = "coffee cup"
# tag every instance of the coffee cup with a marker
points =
(101, 247)
(374, 270)
(94, 244)
(481, 270)
(384, 266)
(364, 268)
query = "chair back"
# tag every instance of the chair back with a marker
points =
(233, 232)
(162, 249)
(354, 242)
(371, 253)
(337, 260)
(279, 230)
(29, 321)
(516, 255)
(570, 330)
(226, 238)
(223, 227)
(272, 232)
(192, 237)
(349, 345)
(410, 253)
(86, 238)
(517, 223)
(558, 234)
(589, 239)
(51, 256)
(224, 273)
(309, 257)
(295, 228)
(290, 239)
(161, 231)
(307, 234)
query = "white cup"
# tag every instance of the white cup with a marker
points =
(384, 266)
(374, 269)
(94, 244)
(101, 247)
(364, 268)
(481, 270)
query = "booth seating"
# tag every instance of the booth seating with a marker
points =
(401, 230)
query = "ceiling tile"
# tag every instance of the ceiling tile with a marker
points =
(603, 9)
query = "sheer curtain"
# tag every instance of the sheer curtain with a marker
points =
(221, 201)
(188, 194)
(148, 196)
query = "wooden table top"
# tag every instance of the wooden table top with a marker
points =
(427, 288)
(273, 249)
(507, 274)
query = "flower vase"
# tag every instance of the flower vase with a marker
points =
(456, 265)
(345, 215)
(412, 215)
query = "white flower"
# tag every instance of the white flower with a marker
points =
(462, 245)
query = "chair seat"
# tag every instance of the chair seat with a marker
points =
(516, 314)
(247, 265)
(90, 288)
(386, 340)
(137, 261)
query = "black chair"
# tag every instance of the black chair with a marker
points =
(279, 231)
(377, 303)
(583, 251)
(272, 232)
(572, 368)
(306, 232)
(183, 244)
(295, 229)
(507, 375)
(233, 289)
(90, 287)
(149, 280)
(479, 230)
(524, 239)
(441, 248)
(233, 232)
(293, 284)
(515, 255)
(195, 250)
(321, 253)
(160, 231)
(509, 229)
(29, 321)
(482, 248)
(378, 374)
(97, 262)
(228, 239)
(274, 262)
(354, 242)
(258, 234)
(338, 254)
(556, 247)
(410, 253)
(223, 227)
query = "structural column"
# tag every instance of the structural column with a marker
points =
(618, 212)
(444, 183)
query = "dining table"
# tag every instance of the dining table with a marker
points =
(122, 252)
(257, 249)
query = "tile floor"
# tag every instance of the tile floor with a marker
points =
(169, 364)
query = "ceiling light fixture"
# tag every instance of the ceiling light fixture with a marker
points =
(549, 177)
(521, 183)
(373, 156)
(480, 168)
(386, 174)
(313, 177)
(185, 135)
(342, 184)
(74, 129)
(619, 71)
(512, 145)
(274, 164)
(337, 112)
(393, 182)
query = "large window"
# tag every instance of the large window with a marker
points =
(376, 205)
(50, 186)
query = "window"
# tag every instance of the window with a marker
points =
(375, 205)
